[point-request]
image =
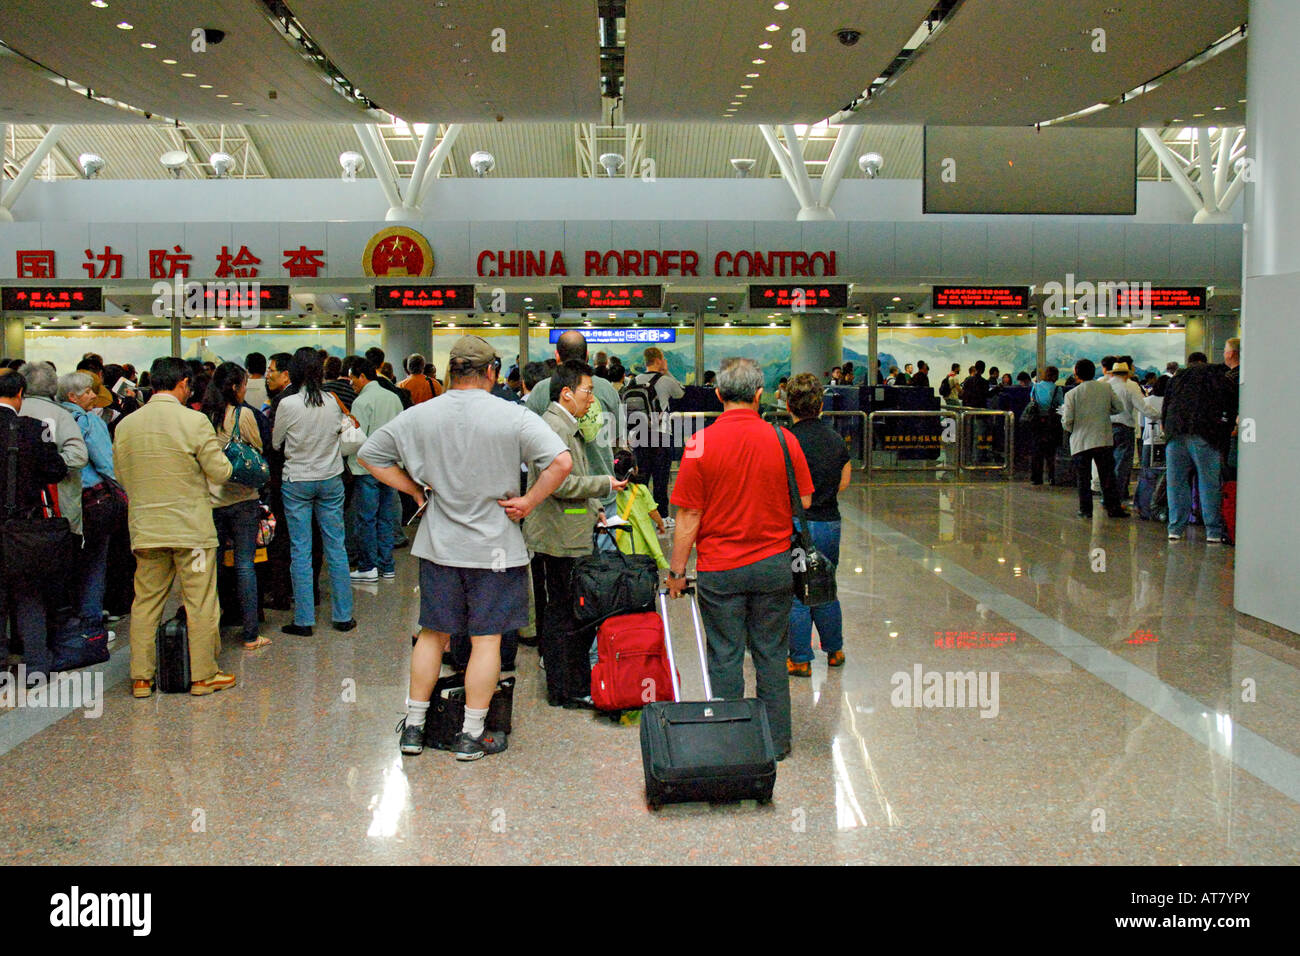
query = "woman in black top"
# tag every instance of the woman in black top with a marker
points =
(828, 460)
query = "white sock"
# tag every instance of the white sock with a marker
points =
(416, 710)
(474, 718)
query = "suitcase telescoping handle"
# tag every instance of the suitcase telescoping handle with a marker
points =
(689, 591)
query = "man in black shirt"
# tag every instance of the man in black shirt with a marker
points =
(975, 390)
(828, 461)
(922, 377)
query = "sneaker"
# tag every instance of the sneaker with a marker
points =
(1210, 540)
(112, 618)
(412, 742)
(669, 523)
(371, 575)
(141, 688)
(466, 747)
(218, 681)
(112, 637)
(388, 575)
(835, 659)
(1175, 536)
(798, 668)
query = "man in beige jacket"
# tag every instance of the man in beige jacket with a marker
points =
(559, 532)
(164, 455)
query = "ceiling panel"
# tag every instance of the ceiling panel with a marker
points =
(994, 64)
(242, 73)
(29, 94)
(434, 62)
(1188, 99)
(686, 61)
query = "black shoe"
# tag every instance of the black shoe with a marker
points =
(412, 743)
(507, 667)
(466, 747)
(401, 544)
(344, 625)
(783, 754)
(579, 703)
(530, 641)
(1119, 513)
(297, 630)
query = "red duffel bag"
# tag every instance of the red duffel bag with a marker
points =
(632, 669)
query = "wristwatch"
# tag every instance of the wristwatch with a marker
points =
(673, 575)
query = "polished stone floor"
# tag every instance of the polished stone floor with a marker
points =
(1135, 718)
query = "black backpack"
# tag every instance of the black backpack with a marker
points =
(643, 398)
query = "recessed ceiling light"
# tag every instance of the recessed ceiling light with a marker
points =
(772, 28)
(1241, 101)
(189, 76)
(765, 46)
(898, 298)
(125, 26)
(1197, 115)
(98, 3)
(759, 61)
(149, 46)
(752, 76)
(736, 103)
(205, 86)
(746, 86)
(170, 62)
(781, 6)
(1220, 108)
(236, 104)
(223, 96)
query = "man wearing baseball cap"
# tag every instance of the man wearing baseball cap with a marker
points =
(464, 452)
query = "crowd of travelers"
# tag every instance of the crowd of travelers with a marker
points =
(240, 482)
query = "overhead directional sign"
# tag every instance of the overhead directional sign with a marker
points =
(640, 297)
(1162, 298)
(981, 297)
(52, 299)
(422, 297)
(621, 336)
(799, 295)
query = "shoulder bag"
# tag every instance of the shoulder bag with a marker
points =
(30, 545)
(247, 466)
(814, 573)
(606, 583)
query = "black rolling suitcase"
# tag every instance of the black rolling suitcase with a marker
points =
(173, 645)
(713, 750)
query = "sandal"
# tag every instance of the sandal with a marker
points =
(260, 642)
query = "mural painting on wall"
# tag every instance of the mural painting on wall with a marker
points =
(141, 346)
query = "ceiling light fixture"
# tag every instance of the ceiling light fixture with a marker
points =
(125, 26)
(758, 61)
(189, 76)
(781, 6)
(149, 46)
(765, 46)
(98, 3)
(752, 76)
(772, 28)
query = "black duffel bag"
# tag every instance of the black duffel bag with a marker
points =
(607, 583)
(33, 546)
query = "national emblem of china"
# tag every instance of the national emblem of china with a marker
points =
(398, 252)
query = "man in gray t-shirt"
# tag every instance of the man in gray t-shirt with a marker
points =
(466, 447)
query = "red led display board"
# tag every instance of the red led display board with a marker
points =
(981, 297)
(246, 295)
(1162, 298)
(52, 299)
(458, 297)
(612, 297)
(794, 295)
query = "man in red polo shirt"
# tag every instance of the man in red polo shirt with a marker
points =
(733, 507)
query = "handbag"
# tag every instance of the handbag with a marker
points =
(606, 583)
(1032, 413)
(103, 507)
(813, 572)
(247, 466)
(30, 546)
(351, 435)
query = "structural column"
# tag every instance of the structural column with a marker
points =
(178, 348)
(403, 334)
(350, 333)
(14, 341)
(1268, 523)
(523, 342)
(873, 348)
(1040, 343)
(699, 348)
(816, 342)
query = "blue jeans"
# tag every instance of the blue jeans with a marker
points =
(827, 617)
(237, 524)
(375, 526)
(325, 500)
(1122, 439)
(94, 556)
(1182, 455)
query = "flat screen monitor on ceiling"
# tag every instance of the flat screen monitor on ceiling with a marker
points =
(990, 170)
